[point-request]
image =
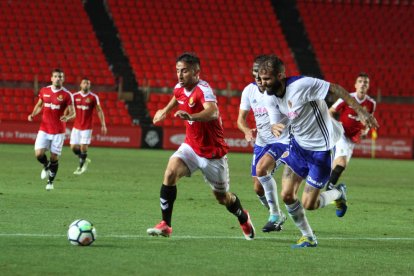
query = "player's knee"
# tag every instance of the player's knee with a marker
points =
(261, 171)
(264, 167)
(170, 176)
(222, 199)
(309, 205)
(288, 197)
(258, 188)
(54, 158)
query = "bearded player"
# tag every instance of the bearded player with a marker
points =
(203, 149)
(57, 105)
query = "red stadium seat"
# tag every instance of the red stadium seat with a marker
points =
(154, 38)
(355, 42)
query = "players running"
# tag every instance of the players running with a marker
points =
(267, 148)
(354, 129)
(54, 100)
(204, 147)
(85, 102)
(311, 148)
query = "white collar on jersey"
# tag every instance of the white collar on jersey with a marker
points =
(54, 89)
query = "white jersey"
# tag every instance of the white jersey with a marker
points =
(253, 99)
(304, 104)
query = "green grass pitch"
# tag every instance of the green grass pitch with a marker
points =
(120, 195)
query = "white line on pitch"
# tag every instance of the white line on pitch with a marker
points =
(213, 237)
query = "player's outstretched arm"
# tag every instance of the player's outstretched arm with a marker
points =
(161, 114)
(36, 110)
(101, 117)
(249, 133)
(366, 118)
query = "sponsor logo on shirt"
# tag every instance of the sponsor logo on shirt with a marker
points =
(46, 96)
(260, 110)
(52, 106)
(292, 115)
(356, 118)
(180, 102)
(83, 107)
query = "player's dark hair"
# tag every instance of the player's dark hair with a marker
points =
(363, 75)
(272, 64)
(259, 59)
(85, 78)
(57, 70)
(191, 59)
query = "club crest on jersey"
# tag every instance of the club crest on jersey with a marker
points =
(191, 102)
(88, 100)
(285, 154)
(60, 98)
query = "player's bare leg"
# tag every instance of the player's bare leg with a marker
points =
(258, 189)
(338, 166)
(176, 169)
(263, 172)
(53, 168)
(42, 158)
(290, 186)
(233, 205)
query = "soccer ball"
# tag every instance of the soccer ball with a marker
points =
(81, 232)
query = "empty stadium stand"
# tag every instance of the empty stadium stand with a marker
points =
(37, 36)
(353, 36)
(347, 37)
(226, 35)
(396, 120)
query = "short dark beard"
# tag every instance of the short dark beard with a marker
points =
(277, 91)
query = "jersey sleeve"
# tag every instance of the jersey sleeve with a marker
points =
(208, 94)
(313, 89)
(244, 102)
(40, 96)
(70, 99)
(272, 108)
(374, 107)
(97, 102)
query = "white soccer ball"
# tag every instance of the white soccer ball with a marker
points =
(81, 232)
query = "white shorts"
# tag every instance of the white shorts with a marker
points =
(344, 147)
(215, 171)
(80, 137)
(52, 142)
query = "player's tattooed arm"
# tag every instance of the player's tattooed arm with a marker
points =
(366, 118)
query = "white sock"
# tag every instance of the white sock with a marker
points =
(297, 213)
(270, 189)
(328, 196)
(263, 200)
